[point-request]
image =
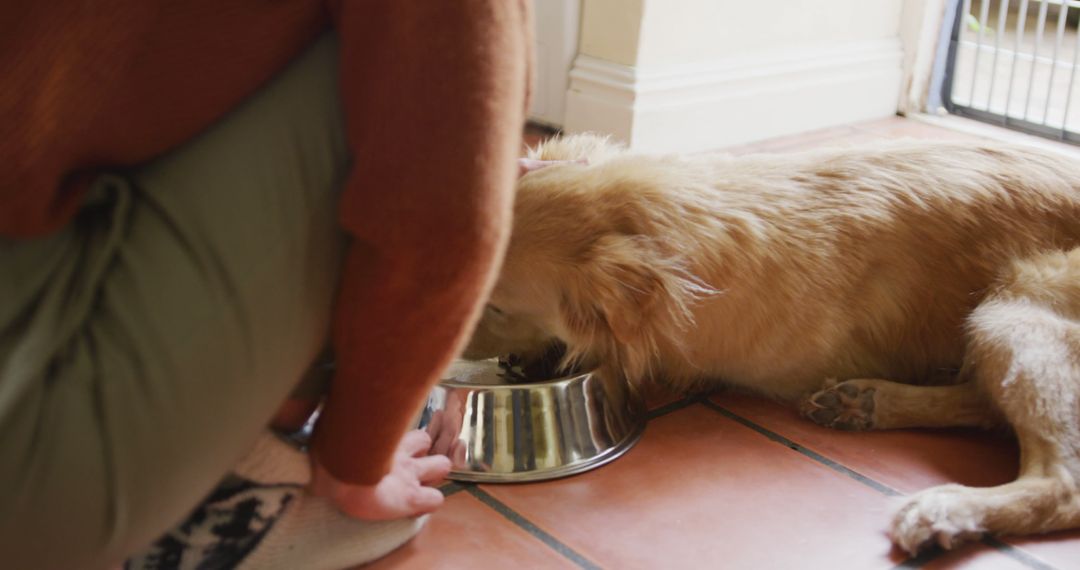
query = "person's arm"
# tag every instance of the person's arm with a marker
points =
(434, 96)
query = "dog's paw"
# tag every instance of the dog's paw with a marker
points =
(848, 405)
(947, 515)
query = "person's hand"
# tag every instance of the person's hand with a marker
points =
(404, 492)
(445, 429)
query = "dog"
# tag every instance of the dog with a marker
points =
(908, 284)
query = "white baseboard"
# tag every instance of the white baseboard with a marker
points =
(698, 107)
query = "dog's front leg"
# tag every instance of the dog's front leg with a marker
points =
(1044, 498)
(863, 404)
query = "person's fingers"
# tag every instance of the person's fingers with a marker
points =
(444, 440)
(425, 499)
(457, 453)
(449, 426)
(369, 506)
(431, 469)
(435, 430)
(441, 446)
(435, 424)
(416, 442)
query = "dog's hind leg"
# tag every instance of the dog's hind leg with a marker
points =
(1024, 355)
(863, 404)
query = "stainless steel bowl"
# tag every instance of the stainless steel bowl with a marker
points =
(498, 427)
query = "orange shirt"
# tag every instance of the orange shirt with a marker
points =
(434, 96)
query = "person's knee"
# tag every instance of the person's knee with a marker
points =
(59, 517)
(72, 493)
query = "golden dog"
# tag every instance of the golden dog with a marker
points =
(939, 282)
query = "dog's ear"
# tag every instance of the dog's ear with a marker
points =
(626, 297)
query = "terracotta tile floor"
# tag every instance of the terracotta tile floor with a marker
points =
(733, 481)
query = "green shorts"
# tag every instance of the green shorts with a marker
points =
(144, 347)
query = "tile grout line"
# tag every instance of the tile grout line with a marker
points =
(1016, 554)
(669, 408)
(451, 488)
(843, 470)
(911, 563)
(919, 561)
(527, 525)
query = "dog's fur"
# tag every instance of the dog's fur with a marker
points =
(891, 268)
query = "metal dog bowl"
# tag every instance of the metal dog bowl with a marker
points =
(498, 426)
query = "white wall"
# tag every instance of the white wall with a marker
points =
(611, 29)
(555, 46)
(922, 36)
(697, 31)
(687, 75)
